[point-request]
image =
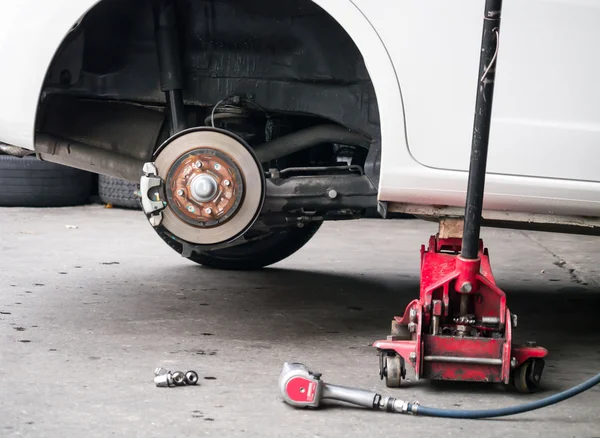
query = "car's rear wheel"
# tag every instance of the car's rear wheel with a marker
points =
(255, 254)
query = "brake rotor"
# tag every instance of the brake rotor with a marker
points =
(214, 186)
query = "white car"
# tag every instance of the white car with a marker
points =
(251, 122)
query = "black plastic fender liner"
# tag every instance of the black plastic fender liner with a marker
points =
(247, 256)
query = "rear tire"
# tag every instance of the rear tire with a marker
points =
(118, 192)
(30, 182)
(253, 255)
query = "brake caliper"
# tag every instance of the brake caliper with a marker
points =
(151, 188)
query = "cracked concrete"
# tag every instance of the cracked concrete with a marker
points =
(574, 271)
(88, 313)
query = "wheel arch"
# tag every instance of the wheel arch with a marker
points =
(47, 25)
(394, 144)
(377, 61)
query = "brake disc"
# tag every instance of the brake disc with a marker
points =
(212, 186)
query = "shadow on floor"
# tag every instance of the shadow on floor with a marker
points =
(325, 302)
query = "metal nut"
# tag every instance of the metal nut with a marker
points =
(466, 287)
(180, 192)
(208, 210)
(191, 378)
(413, 315)
(226, 183)
(164, 380)
(217, 166)
(160, 371)
(191, 208)
(179, 378)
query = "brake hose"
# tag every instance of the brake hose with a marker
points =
(502, 412)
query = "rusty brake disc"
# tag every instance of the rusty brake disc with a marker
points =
(214, 185)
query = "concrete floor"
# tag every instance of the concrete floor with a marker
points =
(88, 313)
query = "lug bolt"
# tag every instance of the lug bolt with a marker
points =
(217, 166)
(226, 183)
(179, 378)
(191, 208)
(208, 210)
(198, 164)
(166, 378)
(180, 192)
(191, 378)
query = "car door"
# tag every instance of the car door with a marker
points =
(546, 115)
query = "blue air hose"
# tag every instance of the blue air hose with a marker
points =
(502, 412)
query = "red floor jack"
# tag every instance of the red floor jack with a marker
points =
(460, 328)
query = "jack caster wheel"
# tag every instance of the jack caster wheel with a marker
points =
(393, 370)
(528, 376)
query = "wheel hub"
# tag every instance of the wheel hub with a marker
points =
(205, 187)
(213, 185)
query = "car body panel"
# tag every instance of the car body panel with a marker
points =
(546, 114)
(31, 32)
(422, 58)
(545, 133)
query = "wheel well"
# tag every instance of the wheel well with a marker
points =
(291, 58)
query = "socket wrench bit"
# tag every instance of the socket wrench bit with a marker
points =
(179, 378)
(191, 377)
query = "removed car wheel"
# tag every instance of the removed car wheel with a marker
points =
(118, 192)
(255, 254)
(29, 182)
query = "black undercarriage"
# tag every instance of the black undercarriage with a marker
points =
(284, 76)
